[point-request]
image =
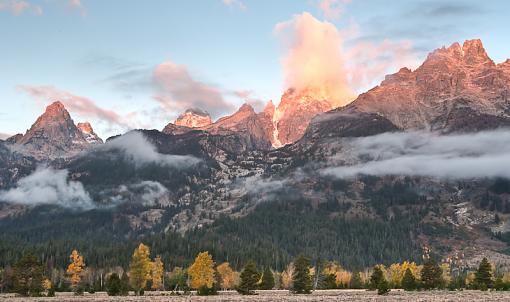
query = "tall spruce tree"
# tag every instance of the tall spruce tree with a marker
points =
(377, 277)
(431, 274)
(483, 277)
(267, 279)
(301, 279)
(409, 281)
(28, 276)
(249, 279)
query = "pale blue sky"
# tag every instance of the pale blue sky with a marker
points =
(106, 50)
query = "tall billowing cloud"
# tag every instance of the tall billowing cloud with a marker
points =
(179, 91)
(334, 63)
(480, 155)
(49, 186)
(314, 59)
(140, 152)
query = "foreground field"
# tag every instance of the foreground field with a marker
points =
(280, 295)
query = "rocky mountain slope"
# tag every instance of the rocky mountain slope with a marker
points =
(54, 135)
(224, 187)
(456, 88)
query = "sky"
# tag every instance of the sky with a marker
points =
(138, 64)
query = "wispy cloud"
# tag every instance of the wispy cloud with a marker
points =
(49, 186)
(332, 9)
(480, 155)
(81, 105)
(234, 3)
(18, 7)
(178, 90)
(76, 5)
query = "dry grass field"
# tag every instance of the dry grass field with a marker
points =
(280, 295)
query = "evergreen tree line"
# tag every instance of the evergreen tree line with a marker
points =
(27, 277)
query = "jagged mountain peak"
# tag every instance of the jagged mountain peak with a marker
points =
(471, 53)
(53, 134)
(88, 133)
(450, 78)
(193, 118)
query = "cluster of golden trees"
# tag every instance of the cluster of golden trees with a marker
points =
(204, 275)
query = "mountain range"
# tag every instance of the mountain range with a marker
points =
(411, 163)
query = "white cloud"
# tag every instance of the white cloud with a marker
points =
(140, 152)
(49, 186)
(465, 156)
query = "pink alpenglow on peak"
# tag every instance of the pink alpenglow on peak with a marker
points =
(88, 133)
(194, 118)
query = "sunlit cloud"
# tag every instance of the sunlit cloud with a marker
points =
(18, 7)
(324, 58)
(178, 90)
(314, 58)
(332, 9)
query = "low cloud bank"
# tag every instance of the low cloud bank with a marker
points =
(480, 155)
(140, 152)
(145, 192)
(49, 186)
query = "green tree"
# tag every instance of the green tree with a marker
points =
(483, 277)
(431, 274)
(409, 281)
(355, 282)
(249, 279)
(28, 276)
(383, 287)
(267, 279)
(124, 285)
(177, 279)
(113, 285)
(140, 269)
(377, 277)
(301, 279)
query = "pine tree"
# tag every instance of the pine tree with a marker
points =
(409, 281)
(140, 269)
(301, 279)
(113, 285)
(28, 276)
(267, 279)
(75, 269)
(356, 282)
(483, 277)
(124, 285)
(383, 287)
(431, 274)
(249, 279)
(202, 273)
(377, 277)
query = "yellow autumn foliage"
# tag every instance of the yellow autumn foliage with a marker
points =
(157, 273)
(227, 276)
(140, 268)
(202, 271)
(75, 268)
